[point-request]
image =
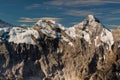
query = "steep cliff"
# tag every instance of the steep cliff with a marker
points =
(50, 51)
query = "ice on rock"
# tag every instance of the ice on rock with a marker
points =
(107, 37)
(86, 36)
(20, 35)
(91, 18)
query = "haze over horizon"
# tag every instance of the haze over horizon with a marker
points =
(66, 12)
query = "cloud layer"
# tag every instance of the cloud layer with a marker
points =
(33, 6)
(106, 10)
(78, 12)
(81, 2)
(29, 20)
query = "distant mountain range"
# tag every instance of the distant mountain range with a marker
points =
(90, 28)
(5, 24)
(50, 51)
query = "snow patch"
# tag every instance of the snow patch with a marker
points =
(71, 44)
(91, 18)
(20, 35)
(71, 32)
(107, 37)
(86, 36)
(95, 40)
(67, 40)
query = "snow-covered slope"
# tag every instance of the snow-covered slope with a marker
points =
(18, 35)
(92, 28)
(89, 29)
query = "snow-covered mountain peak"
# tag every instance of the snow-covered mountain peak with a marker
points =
(90, 29)
(47, 27)
(45, 20)
(89, 23)
(91, 17)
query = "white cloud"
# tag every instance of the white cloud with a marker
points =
(33, 6)
(78, 12)
(27, 19)
(51, 18)
(80, 2)
(112, 26)
(71, 3)
(113, 19)
(25, 25)
(115, 11)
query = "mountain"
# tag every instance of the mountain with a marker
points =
(90, 29)
(50, 51)
(5, 24)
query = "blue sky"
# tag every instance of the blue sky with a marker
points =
(66, 12)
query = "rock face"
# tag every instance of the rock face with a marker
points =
(116, 34)
(85, 51)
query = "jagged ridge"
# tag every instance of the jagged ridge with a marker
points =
(90, 29)
(50, 51)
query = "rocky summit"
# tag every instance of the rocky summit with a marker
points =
(50, 51)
